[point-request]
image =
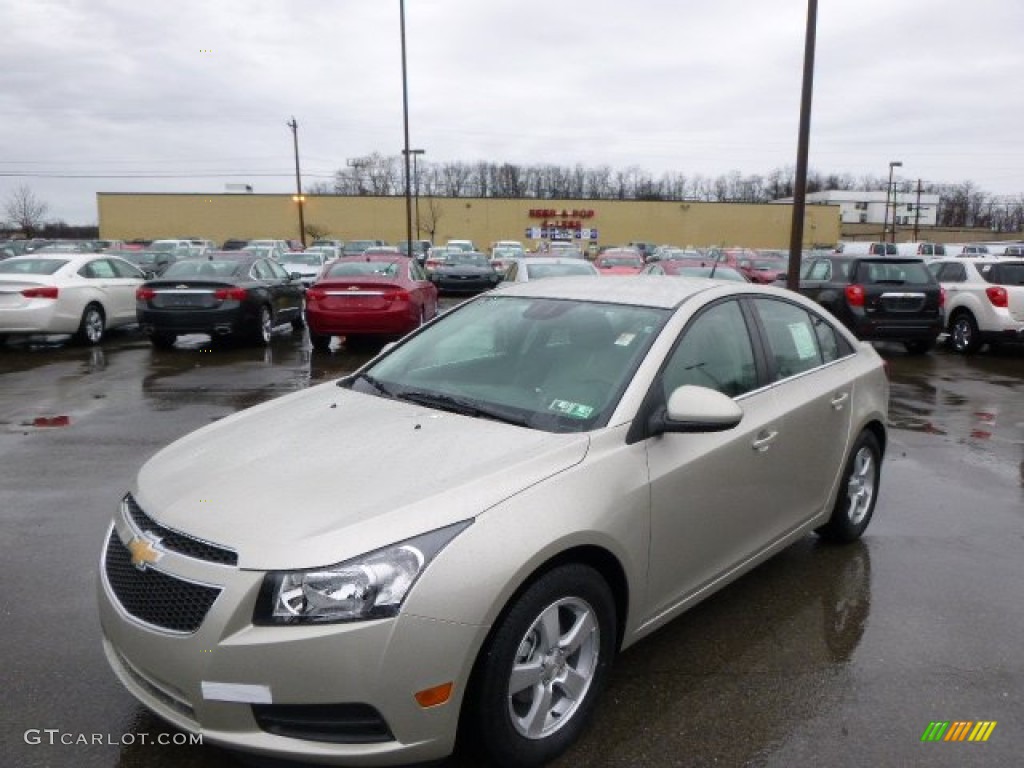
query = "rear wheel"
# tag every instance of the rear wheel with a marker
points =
(858, 492)
(919, 346)
(93, 325)
(963, 333)
(162, 340)
(299, 321)
(320, 342)
(544, 667)
(264, 326)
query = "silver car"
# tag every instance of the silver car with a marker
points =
(295, 580)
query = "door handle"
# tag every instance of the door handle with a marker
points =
(764, 441)
(839, 401)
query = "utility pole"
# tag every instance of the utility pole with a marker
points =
(416, 185)
(299, 198)
(917, 211)
(796, 236)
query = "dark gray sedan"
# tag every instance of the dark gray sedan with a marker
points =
(468, 272)
(231, 293)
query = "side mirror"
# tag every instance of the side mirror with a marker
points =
(696, 409)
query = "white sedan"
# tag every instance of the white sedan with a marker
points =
(57, 293)
(613, 451)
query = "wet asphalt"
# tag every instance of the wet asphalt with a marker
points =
(824, 656)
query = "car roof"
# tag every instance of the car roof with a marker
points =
(637, 290)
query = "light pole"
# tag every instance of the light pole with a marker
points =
(888, 192)
(405, 120)
(416, 185)
(298, 197)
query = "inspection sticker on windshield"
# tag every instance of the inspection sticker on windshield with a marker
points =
(572, 410)
(625, 339)
(803, 341)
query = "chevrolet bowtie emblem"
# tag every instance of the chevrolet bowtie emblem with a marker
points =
(144, 554)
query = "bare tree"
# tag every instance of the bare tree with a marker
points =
(25, 210)
(430, 215)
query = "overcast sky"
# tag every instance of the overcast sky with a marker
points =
(188, 96)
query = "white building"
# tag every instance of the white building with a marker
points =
(857, 207)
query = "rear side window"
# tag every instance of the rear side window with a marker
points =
(1003, 274)
(797, 341)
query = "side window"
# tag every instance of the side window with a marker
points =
(714, 352)
(794, 341)
(100, 269)
(261, 270)
(416, 271)
(820, 270)
(952, 273)
(276, 270)
(124, 269)
(510, 274)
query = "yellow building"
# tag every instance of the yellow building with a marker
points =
(218, 217)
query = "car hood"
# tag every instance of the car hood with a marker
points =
(326, 474)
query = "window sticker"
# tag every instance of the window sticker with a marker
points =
(803, 341)
(572, 410)
(625, 339)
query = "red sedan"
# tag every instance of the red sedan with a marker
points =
(619, 261)
(380, 296)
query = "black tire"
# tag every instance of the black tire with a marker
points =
(93, 326)
(299, 321)
(963, 333)
(264, 326)
(578, 597)
(162, 340)
(858, 492)
(919, 346)
(320, 342)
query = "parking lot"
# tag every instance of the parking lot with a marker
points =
(824, 655)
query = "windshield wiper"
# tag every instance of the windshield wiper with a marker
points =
(460, 406)
(371, 380)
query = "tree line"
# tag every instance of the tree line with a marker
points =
(960, 205)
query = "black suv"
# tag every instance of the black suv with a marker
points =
(879, 298)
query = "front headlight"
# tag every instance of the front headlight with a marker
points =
(371, 586)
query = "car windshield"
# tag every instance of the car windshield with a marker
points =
(718, 273)
(895, 272)
(777, 265)
(620, 261)
(313, 259)
(537, 271)
(549, 364)
(363, 269)
(205, 268)
(467, 259)
(31, 266)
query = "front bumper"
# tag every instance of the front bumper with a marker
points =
(233, 681)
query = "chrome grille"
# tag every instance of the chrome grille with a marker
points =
(153, 597)
(172, 541)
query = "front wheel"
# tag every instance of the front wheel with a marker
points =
(858, 492)
(92, 327)
(544, 667)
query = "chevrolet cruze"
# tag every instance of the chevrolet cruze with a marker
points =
(458, 538)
